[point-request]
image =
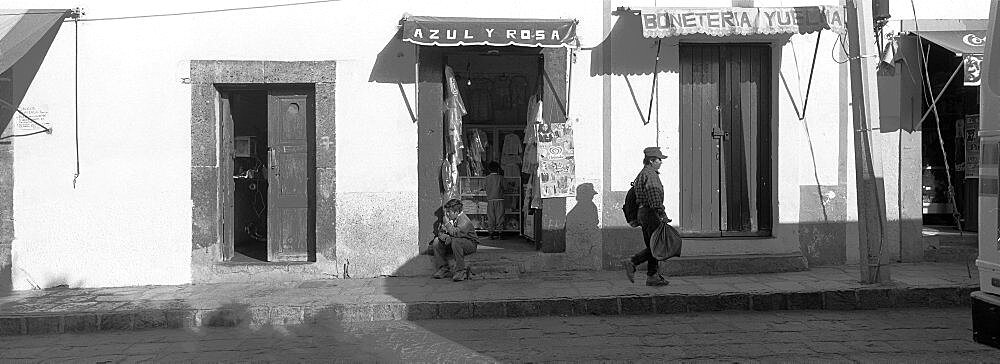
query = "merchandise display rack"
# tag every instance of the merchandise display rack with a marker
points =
(474, 203)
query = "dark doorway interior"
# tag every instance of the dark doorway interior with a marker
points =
(950, 145)
(497, 85)
(249, 111)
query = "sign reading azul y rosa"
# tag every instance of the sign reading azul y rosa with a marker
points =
(442, 31)
(666, 22)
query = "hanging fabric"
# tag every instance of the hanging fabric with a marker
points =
(454, 146)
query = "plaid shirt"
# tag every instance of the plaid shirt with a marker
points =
(649, 190)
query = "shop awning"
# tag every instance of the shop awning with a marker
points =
(961, 42)
(21, 29)
(455, 31)
(662, 22)
(24, 33)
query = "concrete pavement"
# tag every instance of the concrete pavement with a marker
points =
(914, 285)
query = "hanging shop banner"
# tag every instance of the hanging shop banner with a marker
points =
(661, 22)
(973, 68)
(971, 146)
(556, 164)
(451, 31)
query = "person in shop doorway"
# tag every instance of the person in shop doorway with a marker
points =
(494, 200)
(649, 195)
(456, 238)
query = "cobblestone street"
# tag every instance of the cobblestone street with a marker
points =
(912, 335)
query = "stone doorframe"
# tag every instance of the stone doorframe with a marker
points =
(206, 232)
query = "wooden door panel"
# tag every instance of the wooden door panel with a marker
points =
(699, 152)
(228, 186)
(725, 131)
(289, 163)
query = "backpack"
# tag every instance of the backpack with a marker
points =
(631, 207)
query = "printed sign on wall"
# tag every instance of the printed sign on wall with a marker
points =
(973, 68)
(972, 146)
(556, 163)
(40, 115)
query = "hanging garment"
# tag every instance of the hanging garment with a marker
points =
(476, 152)
(449, 179)
(530, 161)
(510, 160)
(536, 192)
(535, 110)
(511, 144)
(454, 111)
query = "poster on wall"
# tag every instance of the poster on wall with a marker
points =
(556, 163)
(24, 125)
(973, 68)
(971, 146)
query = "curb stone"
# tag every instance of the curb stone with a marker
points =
(866, 298)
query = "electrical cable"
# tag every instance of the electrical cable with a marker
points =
(76, 94)
(944, 153)
(843, 47)
(210, 11)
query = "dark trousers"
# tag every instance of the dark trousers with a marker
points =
(452, 247)
(650, 222)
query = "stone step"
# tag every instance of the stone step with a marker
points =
(951, 253)
(494, 270)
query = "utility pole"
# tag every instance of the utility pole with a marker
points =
(864, 101)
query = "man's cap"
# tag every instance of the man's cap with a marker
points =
(653, 152)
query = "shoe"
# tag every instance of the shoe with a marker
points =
(656, 280)
(460, 275)
(441, 273)
(630, 270)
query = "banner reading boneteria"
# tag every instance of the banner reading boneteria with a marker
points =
(556, 164)
(666, 22)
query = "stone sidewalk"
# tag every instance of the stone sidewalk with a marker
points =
(420, 298)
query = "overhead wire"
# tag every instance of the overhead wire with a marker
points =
(209, 11)
(944, 153)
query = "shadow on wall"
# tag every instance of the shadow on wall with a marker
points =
(582, 222)
(396, 64)
(625, 52)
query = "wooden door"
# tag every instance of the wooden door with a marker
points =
(227, 185)
(699, 107)
(289, 165)
(725, 139)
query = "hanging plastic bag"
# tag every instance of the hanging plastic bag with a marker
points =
(665, 242)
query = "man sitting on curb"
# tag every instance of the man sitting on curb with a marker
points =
(457, 238)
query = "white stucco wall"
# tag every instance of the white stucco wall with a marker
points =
(127, 221)
(130, 209)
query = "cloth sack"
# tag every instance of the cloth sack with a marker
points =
(665, 242)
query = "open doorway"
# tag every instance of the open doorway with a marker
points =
(498, 86)
(950, 147)
(267, 173)
(249, 228)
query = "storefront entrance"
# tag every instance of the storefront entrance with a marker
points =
(950, 131)
(497, 86)
(499, 68)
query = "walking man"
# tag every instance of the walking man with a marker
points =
(649, 195)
